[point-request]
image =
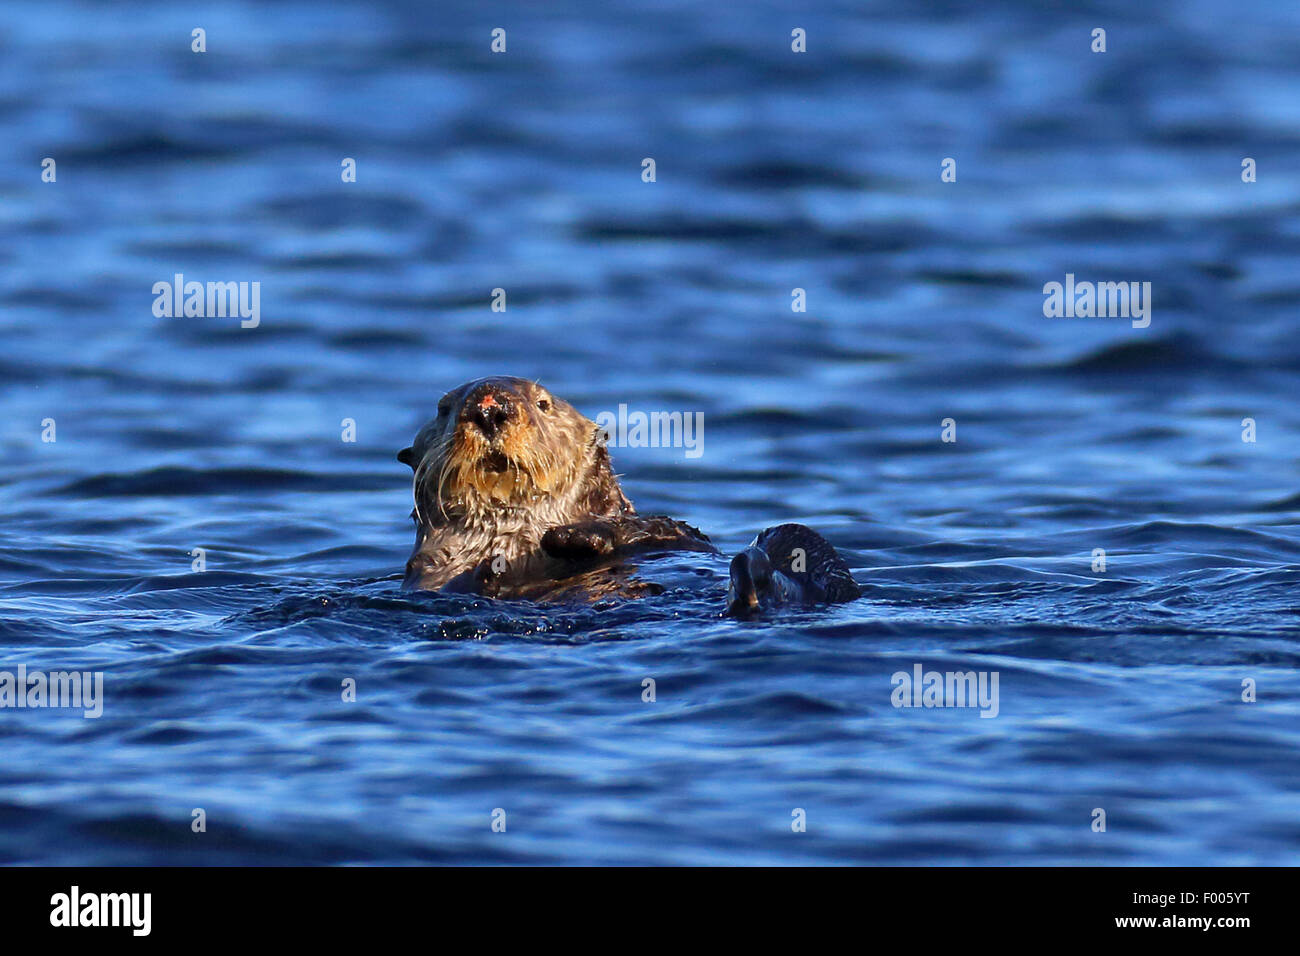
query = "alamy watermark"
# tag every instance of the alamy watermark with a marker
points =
(133, 911)
(624, 429)
(1104, 300)
(213, 300)
(922, 688)
(82, 690)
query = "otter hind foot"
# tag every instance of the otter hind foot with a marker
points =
(788, 564)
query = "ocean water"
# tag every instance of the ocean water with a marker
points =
(1119, 689)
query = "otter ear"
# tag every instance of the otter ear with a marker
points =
(407, 457)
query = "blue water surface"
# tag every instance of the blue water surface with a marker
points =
(1120, 689)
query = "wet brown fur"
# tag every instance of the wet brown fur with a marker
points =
(528, 507)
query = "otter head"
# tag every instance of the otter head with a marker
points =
(788, 564)
(505, 446)
(756, 585)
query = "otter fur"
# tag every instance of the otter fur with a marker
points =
(514, 495)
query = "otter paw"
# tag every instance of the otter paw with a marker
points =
(485, 579)
(576, 541)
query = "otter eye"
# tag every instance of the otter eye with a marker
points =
(544, 404)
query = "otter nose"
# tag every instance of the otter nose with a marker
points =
(489, 412)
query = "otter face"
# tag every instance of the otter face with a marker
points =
(502, 443)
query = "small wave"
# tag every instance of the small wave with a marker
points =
(175, 481)
(1150, 356)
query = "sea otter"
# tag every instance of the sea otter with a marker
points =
(515, 497)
